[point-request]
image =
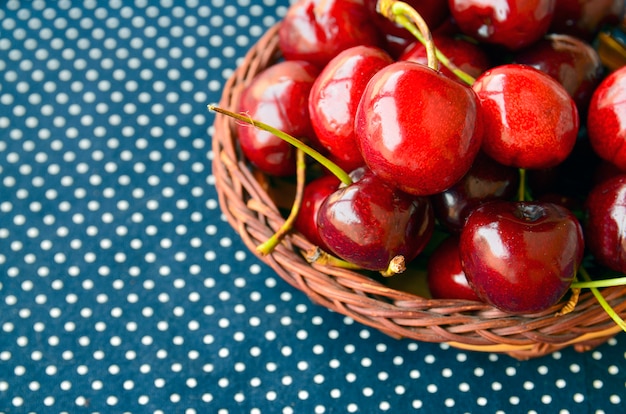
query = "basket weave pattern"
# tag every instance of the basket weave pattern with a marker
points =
(463, 324)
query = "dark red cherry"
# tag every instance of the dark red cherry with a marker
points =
(315, 192)
(530, 120)
(513, 24)
(445, 275)
(418, 129)
(605, 224)
(465, 54)
(521, 257)
(317, 30)
(606, 119)
(277, 96)
(486, 180)
(571, 61)
(433, 12)
(335, 96)
(369, 222)
(584, 18)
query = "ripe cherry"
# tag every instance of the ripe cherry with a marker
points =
(445, 275)
(606, 119)
(369, 222)
(271, 98)
(571, 61)
(317, 30)
(334, 98)
(418, 129)
(486, 180)
(605, 225)
(513, 24)
(521, 257)
(315, 192)
(530, 120)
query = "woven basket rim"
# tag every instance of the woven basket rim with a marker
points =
(252, 213)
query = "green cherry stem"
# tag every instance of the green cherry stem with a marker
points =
(605, 305)
(407, 17)
(331, 166)
(616, 281)
(270, 244)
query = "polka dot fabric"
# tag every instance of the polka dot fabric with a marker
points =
(122, 288)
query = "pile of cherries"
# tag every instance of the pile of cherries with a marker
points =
(488, 136)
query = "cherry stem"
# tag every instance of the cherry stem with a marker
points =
(319, 256)
(605, 305)
(270, 244)
(615, 281)
(396, 265)
(406, 16)
(331, 166)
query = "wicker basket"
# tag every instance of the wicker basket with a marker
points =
(462, 324)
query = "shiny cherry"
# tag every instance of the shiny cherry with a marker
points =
(465, 54)
(317, 30)
(584, 18)
(334, 98)
(277, 96)
(530, 120)
(513, 24)
(445, 276)
(315, 192)
(605, 222)
(486, 180)
(571, 61)
(369, 222)
(521, 257)
(418, 129)
(606, 119)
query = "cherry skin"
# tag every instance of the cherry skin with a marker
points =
(571, 61)
(315, 192)
(530, 120)
(271, 98)
(584, 18)
(369, 222)
(418, 129)
(606, 119)
(433, 12)
(513, 24)
(466, 55)
(521, 257)
(486, 180)
(445, 275)
(605, 222)
(317, 30)
(334, 98)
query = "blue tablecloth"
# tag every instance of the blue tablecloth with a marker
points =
(122, 289)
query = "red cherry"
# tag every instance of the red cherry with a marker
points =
(445, 275)
(530, 120)
(486, 180)
(418, 129)
(606, 119)
(271, 98)
(466, 55)
(521, 257)
(334, 98)
(433, 12)
(317, 30)
(605, 225)
(584, 18)
(369, 222)
(510, 23)
(315, 192)
(571, 61)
